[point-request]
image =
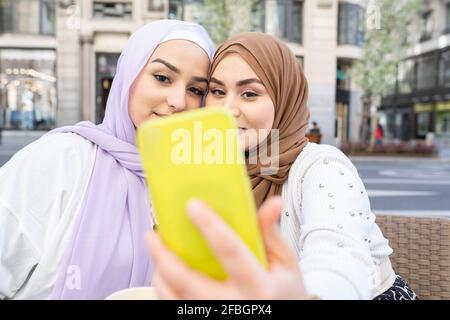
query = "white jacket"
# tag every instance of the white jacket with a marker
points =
(327, 220)
(41, 191)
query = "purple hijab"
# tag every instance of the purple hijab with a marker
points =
(107, 251)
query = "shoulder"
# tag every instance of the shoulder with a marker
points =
(53, 148)
(68, 142)
(315, 151)
(319, 156)
(49, 157)
(44, 173)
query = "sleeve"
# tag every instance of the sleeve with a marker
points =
(35, 187)
(18, 256)
(336, 220)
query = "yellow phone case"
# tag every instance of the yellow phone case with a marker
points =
(196, 154)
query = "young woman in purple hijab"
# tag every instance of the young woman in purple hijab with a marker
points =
(73, 205)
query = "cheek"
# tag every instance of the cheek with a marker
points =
(267, 114)
(144, 100)
(193, 102)
(148, 98)
(210, 100)
(260, 115)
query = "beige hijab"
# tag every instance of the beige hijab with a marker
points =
(280, 72)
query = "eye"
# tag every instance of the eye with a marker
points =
(249, 94)
(161, 78)
(218, 92)
(197, 92)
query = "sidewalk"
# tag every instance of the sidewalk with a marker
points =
(443, 157)
(444, 153)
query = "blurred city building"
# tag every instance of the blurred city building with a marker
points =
(58, 57)
(419, 103)
(326, 36)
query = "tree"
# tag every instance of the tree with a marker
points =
(225, 18)
(387, 39)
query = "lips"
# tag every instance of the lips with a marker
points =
(242, 130)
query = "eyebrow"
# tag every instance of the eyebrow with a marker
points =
(176, 70)
(168, 65)
(239, 83)
(217, 81)
(247, 81)
(200, 79)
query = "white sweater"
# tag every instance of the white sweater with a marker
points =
(327, 220)
(43, 186)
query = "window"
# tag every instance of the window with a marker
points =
(27, 16)
(28, 88)
(406, 76)
(104, 74)
(446, 124)
(176, 9)
(426, 26)
(423, 120)
(443, 123)
(187, 10)
(444, 70)
(294, 31)
(275, 18)
(343, 75)
(5, 16)
(156, 5)
(426, 72)
(48, 17)
(403, 124)
(121, 10)
(258, 16)
(193, 10)
(351, 24)
(284, 19)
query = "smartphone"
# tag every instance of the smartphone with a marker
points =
(197, 154)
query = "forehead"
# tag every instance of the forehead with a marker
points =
(181, 53)
(234, 65)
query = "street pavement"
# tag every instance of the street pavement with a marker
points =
(407, 186)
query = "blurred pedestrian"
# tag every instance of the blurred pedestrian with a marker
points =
(379, 136)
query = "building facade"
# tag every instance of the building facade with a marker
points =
(326, 36)
(56, 67)
(420, 101)
(28, 91)
(58, 57)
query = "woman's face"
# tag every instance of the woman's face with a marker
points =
(173, 80)
(236, 86)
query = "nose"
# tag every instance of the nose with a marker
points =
(177, 99)
(234, 109)
(236, 112)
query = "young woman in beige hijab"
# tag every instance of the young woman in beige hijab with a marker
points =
(328, 228)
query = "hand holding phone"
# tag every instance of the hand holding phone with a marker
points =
(196, 155)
